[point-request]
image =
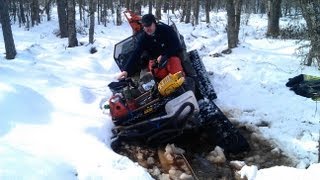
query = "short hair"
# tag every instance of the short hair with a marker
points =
(148, 19)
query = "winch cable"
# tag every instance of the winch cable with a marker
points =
(189, 166)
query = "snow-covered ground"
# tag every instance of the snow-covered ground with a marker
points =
(51, 126)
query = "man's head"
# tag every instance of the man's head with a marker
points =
(149, 23)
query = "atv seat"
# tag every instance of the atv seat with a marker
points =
(118, 86)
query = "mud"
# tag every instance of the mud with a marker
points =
(191, 157)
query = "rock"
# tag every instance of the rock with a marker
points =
(139, 156)
(169, 157)
(249, 160)
(172, 149)
(150, 161)
(155, 171)
(126, 146)
(174, 174)
(237, 165)
(163, 160)
(258, 159)
(185, 168)
(255, 145)
(237, 176)
(164, 177)
(143, 163)
(255, 137)
(276, 152)
(217, 156)
(185, 176)
(168, 149)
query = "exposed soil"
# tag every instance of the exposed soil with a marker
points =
(191, 157)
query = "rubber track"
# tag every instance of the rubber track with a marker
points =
(205, 86)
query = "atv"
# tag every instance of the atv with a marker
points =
(157, 112)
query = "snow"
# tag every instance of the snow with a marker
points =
(51, 126)
(249, 172)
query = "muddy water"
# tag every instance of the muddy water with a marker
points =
(192, 159)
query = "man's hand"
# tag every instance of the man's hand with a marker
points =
(162, 61)
(122, 75)
(159, 59)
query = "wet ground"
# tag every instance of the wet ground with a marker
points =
(191, 157)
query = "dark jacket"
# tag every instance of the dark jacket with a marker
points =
(163, 42)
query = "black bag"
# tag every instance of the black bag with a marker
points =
(306, 86)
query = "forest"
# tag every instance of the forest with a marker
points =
(29, 13)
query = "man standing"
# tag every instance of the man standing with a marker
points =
(162, 46)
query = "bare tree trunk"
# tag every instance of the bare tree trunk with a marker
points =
(98, 10)
(173, 6)
(84, 14)
(158, 9)
(48, 9)
(62, 15)
(165, 6)
(27, 22)
(128, 4)
(111, 6)
(92, 9)
(6, 30)
(188, 11)
(72, 33)
(274, 12)
(232, 42)
(196, 11)
(150, 6)
(105, 13)
(262, 7)
(184, 10)
(80, 9)
(137, 7)
(207, 8)
(132, 2)
(21, 9)
(35, 17)
(238, 5)
(219, 4)
(255, 6)
(311, 14)
(118, 11)
(14, 11)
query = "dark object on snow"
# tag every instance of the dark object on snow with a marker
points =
(154, 119)
(306, 86)
(216, 55)
(226, 51)
(93, 50)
